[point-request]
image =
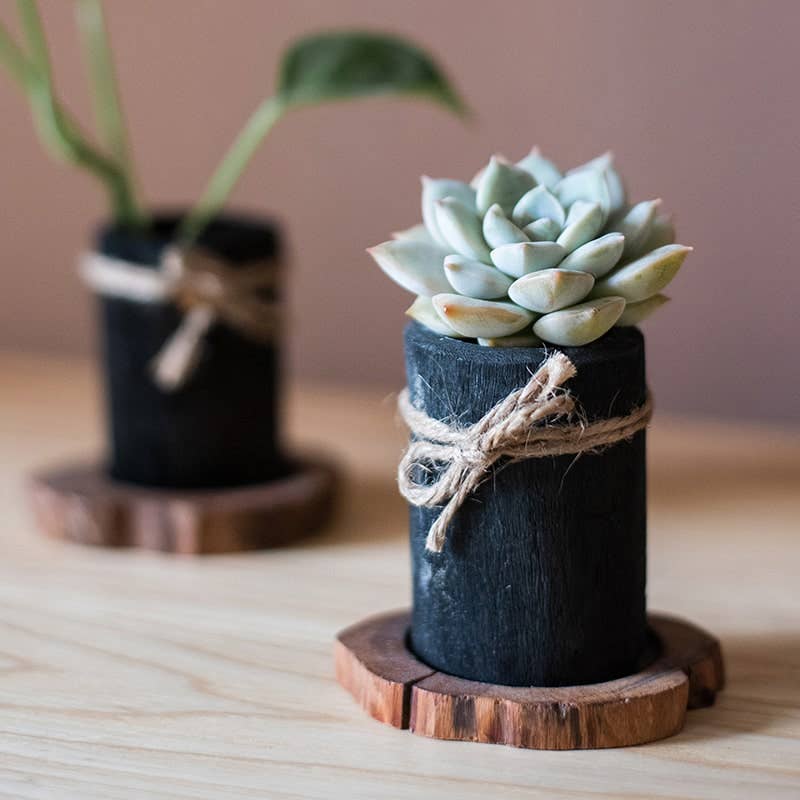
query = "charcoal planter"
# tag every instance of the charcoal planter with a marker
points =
(541, 581)
(220, 429)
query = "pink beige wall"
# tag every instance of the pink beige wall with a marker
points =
(699, 99)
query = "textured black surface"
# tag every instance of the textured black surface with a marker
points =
(219, 429)
(542, 578)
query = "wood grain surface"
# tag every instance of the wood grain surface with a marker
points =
(127, 675)
(375, 664)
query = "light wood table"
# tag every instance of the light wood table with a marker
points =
(137, 675)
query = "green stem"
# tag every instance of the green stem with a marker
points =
(59, 133)
(13, 58)
(231, 167)
(105, 96)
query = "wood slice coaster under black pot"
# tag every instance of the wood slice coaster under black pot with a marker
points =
(82, 504)
(374, 664)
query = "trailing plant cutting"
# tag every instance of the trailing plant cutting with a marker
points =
(337, 65)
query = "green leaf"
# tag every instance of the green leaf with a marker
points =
(498, 228)
(328, 66)
(338, 65)
(583, 223)
(662, 232)
(550, 289)
(637, 225)
(434, 189)
(517, 260)
(536, 204)
(474, 279)
(581, 324)
(461, 228)
(416, 266)
(543, 229)
(484, 319)
(586, 184)
(596, 257)
(422, 311)
(644, 277)
(504, 184)
(636, 313)
(544, 171)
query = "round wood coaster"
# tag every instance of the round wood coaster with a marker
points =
(81, 504)
(393, 686)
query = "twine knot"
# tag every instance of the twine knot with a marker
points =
(204, 288)
(525, 424)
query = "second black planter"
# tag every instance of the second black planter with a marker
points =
(221, 428)
(542, 579)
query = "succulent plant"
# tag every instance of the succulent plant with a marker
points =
(525, 254)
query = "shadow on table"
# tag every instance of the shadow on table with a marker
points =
(369, 510)
(762, 688)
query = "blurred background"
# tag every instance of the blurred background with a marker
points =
(697, 99)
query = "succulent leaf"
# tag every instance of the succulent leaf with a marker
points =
(461, 228)
(523, 339)
(504, 184)
(588, 185)
(416, 266)
(596, 257)
(422, 311)
(498, 228)
(484, 319)
(543, 170)
(435, 189)
(644, 277)
(616, 189)
(542, 230)
(476, 178)
(517, 260)
(604, 164)
(637, 225)
(538, 203)
(416, 233)
(474, 279)
(550, 289)
(662, 232)
(635, 313)
(584, 221)
(598, 163)
(581, 324)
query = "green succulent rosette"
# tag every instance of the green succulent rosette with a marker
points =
(525, 254)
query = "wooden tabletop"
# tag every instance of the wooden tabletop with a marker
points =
(137, 675)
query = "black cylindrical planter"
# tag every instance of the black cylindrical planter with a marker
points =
(221, 427)
(542, 578)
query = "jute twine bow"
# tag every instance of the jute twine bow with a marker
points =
(205, 289)
(521, 426)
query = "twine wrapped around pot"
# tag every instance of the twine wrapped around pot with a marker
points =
(523, 425)
(205, 288)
